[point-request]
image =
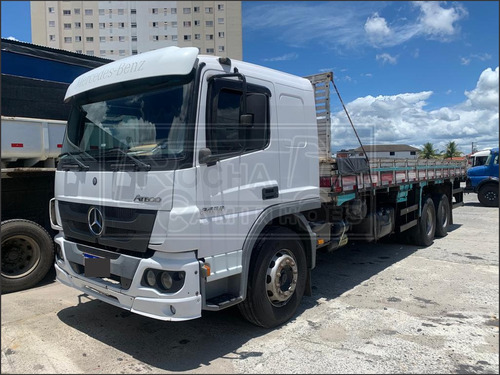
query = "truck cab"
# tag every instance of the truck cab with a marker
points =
(483, 180)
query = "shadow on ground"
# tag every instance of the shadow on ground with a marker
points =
(182, 346)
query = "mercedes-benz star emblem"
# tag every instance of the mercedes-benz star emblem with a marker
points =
(94, 181)
(96, 221)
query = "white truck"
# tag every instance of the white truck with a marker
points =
(34, 81)
(191, 182)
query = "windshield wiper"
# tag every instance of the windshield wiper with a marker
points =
(79, 165)
(138, 165)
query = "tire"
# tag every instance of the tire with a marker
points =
(273, 299)
(27, 254)
(443, 215)
(488, 195)
(423, 233)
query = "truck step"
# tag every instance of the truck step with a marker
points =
(222, 301)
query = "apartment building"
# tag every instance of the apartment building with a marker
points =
(115, 29)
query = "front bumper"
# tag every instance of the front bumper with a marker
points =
(184, 304)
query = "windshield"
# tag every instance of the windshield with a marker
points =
(141, 124)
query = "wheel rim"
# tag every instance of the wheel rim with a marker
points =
(429, 222)
(20, 256)
(490, 195)
(281, 278)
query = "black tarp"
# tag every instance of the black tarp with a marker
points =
(350, 166)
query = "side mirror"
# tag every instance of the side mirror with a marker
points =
(205, 157)
(246, 120)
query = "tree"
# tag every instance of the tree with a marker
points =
(451, 150)
(428, 151)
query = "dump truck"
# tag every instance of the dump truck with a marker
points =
(190, 183)
(34, 115)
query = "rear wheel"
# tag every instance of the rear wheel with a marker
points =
(423, 233)
(277, 278)
(443, 215)
(27, 254)
(488, 195)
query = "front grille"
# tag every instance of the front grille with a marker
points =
(124, 228)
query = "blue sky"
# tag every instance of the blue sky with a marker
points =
(409, 72)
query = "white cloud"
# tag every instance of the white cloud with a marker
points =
(376, 28)
(475, 56)
(285, 57)
(438, 21)
(386, 58)
(403, 118)
(12, 38)
(464, 61)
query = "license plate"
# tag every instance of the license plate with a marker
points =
(96, 266)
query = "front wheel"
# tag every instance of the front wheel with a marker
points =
(488, 195)
(277, 278)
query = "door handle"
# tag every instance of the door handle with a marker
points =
(270, 192)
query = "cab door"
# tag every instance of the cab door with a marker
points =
(238, 180)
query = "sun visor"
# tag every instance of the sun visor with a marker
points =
(160, 62)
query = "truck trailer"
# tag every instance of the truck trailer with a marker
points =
(190, 183)
(34, 115)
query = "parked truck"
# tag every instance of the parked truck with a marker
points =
(34, 82)
(191, 182)
(483, 180)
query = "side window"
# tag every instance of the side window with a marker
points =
(225, 135)
(495, 161)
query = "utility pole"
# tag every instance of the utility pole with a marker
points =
(473, 148)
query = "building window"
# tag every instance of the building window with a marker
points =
(209, 23)
(121, 12)
(89, 39)
(122, 52)
(134, 52)
(66, 12)
(134, 38)
(209, 10)
(102, 52)
(220, 20)
(187, 23)
(52, 38)
(220, 6)
(186, 10)
(67, 39)
(121, 25)
(90, 52)
(101, 13)
(174, 37)
(52, 23)
(173, 10)
(67, 26)
(102, 39)
(210, 50)
(197, 36)
(89, 12)
(165, 37)
(111, 26)
(133, 11)
(76, 10)
(79, 51)
(392, 153)
(102, 25)
(187, 37)
(196, 9)
(133, 25)
(221, 34)
(221, 48)
(155, 37)
(51, 10)
(154, 10)
(197, 22)
(174, 24)
(413, 153)
(121, 38)
(89, 25)
(78, 25)
(78, 38)
(209, 36)
(155, 24)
